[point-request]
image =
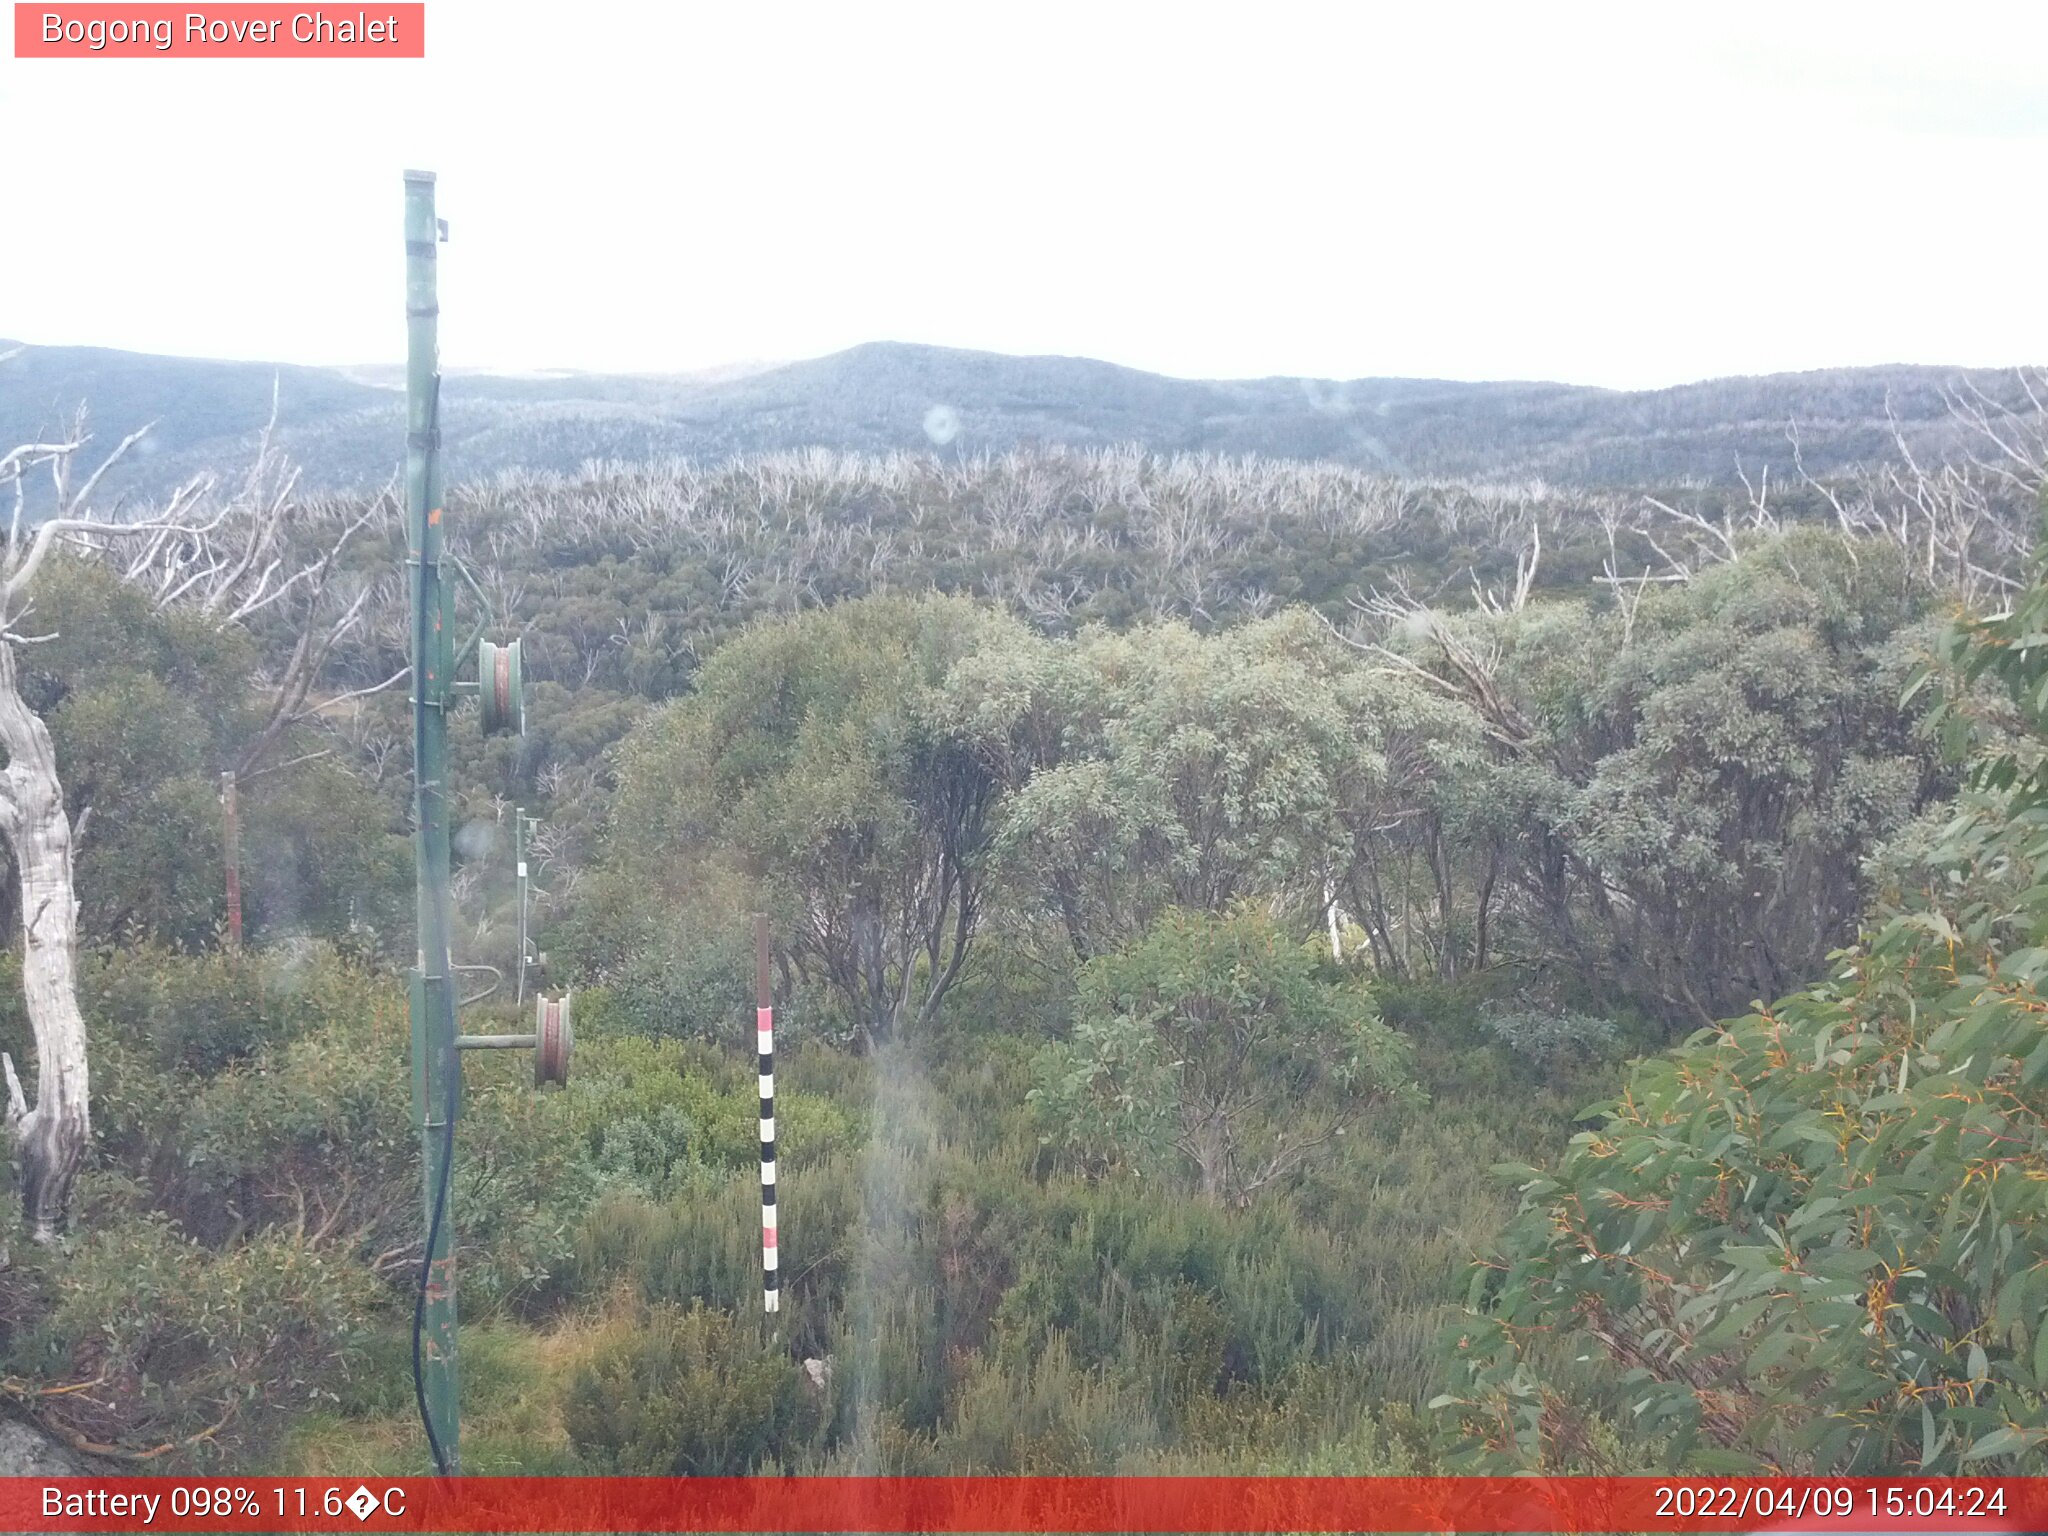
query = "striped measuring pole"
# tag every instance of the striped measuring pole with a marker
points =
(764, 1028)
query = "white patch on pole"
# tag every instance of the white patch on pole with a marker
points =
(767, 1127)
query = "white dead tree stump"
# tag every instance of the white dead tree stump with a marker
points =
(228, 560)
(50, 1137)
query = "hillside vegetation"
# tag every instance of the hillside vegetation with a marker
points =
(1206, 894)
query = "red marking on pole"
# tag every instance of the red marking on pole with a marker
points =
(764, 1026)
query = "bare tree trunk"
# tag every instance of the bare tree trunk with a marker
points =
(50, 1139)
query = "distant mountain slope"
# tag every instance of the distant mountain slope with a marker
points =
(345, 425)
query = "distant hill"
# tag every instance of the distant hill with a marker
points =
(345, 426)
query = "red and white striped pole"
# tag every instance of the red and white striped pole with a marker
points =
(764, 1027)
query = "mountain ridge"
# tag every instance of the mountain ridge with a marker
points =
(344, 424)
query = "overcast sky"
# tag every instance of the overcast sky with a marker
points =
(1630, 196)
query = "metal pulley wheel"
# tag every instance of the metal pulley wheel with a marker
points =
(500, 689)
(553, 1038)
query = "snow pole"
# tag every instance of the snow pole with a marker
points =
(764, 1030)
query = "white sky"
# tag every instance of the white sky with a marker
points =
(1631, 195)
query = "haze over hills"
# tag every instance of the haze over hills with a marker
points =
(344, 425)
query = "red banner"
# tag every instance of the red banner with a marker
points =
(232, 31)
(993, 1504)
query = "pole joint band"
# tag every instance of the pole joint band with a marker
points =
(426, 441)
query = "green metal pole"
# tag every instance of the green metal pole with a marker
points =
(436, 1075)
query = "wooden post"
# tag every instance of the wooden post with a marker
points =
(231, 824)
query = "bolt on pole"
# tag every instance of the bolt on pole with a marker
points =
(436, 1074)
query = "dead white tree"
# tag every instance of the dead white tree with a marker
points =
(1527, 560)
(1966, 519)
(1467, 665)
(228, 556)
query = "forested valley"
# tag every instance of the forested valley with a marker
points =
(1278, 968)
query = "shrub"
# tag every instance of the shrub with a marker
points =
(1549, 1037)
(200, 1013)
(678, 1393)
(186, 1343)
(1215, 1045)
(647, 1110)
(312, 1136)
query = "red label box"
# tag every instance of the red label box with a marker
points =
(936, 1506)
(234, 31)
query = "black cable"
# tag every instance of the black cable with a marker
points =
(419, 1305)
(422, 635)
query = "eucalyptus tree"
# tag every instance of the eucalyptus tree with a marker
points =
(1677, 793)
(1188, 771)
(818, 759)
(1751, 753)
(1214, 1042)
(1814, 1239)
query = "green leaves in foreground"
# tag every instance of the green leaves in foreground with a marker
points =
(1817, 1237)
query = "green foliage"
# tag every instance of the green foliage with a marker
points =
(1814, 1237)
(689, 1393)
(1178, 770)
(1215, 1040)
(323, 855)
(200, 1013)
(652, 1112)
(1107, 1095)
(1539, 835)
(295, 1118)
(186, 1342)
(1547, 1036)
(145, 710)
(1702, 778)
(140, 708)
(814, 758)
(670, 970)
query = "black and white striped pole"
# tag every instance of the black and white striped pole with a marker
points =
(764, 1029)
